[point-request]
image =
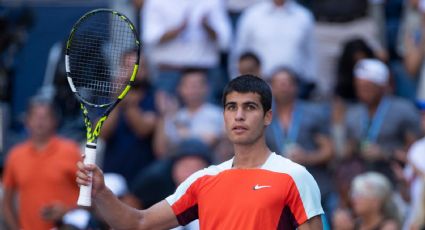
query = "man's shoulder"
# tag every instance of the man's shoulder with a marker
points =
(19, 149)
(211, 108)
(284, 165)
(67, 143)
(302, 179)
(401, 104)
(213, 170)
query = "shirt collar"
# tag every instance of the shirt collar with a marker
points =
(229, 164)
(50, 143)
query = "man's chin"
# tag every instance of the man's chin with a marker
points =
(241, 141)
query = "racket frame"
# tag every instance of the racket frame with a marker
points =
(92, 133)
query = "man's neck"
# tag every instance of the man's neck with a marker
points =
(285, 107)
(372, 107)
(194, 107)
(284, 112)
(250, 156)
(40, 143)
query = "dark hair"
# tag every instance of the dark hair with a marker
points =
(250, 55)
(344, 80)
(192, 147)
(285, 69)
(41, 100)
(248, 83)
(192, 70)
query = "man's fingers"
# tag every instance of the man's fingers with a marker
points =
(82, 182)
(83, 175)
(85, 167)
(82, 178)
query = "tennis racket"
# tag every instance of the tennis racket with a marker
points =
(97, 74)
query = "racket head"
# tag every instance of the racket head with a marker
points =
(94, 55)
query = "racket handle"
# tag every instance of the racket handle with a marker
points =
(84, 198)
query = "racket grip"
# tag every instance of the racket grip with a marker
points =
(84, 198)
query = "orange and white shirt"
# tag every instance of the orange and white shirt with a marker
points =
(279, 195)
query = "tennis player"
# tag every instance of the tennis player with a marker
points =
(256, 189)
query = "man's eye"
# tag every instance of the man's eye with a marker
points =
(231, 107)
(250, 107)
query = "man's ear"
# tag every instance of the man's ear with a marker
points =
(268, 117)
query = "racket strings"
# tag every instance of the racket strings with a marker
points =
(96, 66)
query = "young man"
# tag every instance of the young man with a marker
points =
(256, 189)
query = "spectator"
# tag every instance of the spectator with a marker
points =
(249, 63)
(197, 118)
(280, 32)
(353, 51)
(300, 131)
(162, 178)
(373, 206)
(129, 129)
(40, 172)
(182, 34)
(336, 23)
(412, 43)
(376, 128)
(415, 173)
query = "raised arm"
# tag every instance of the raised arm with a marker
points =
(119, 215)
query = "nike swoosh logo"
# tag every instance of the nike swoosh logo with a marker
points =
(257, 187)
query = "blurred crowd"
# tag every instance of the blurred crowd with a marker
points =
(348, 80)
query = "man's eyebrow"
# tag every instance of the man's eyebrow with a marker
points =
(251, 103)
(230, 103)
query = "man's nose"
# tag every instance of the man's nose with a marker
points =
(240, 115)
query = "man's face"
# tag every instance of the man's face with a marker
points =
(40, 122)
(283, 87)
(193, 88)
(127, 64)
(244, 118)
(367, 91)
(248, 66)
(186, 166)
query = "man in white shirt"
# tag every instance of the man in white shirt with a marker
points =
(184, 33)
(280, 32)
(196, 119)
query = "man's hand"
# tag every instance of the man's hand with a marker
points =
(167, 105)
(132, 99)
(372, 152)
(207, 27)
(173, 33)
(297, 154)
(96, 178)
